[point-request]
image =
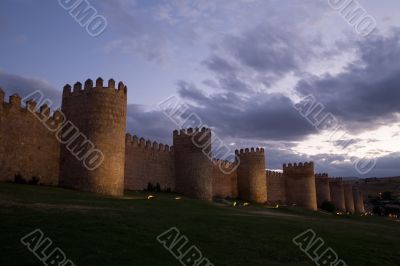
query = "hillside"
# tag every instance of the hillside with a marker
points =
(374, 186)
(97, 230)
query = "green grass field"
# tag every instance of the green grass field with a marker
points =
(97, 230)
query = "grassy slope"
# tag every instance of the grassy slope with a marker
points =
(95, 230)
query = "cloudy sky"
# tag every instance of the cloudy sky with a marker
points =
(242, 66)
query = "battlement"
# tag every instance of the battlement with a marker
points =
(336, 179)
(147, 144)
(250, 151)
(299, 166)
(43, 112)
(88, 86)
(191, 131)
(321, 175)
(273, 173)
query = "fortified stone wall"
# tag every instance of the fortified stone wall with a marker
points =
(300, 185)
(322, 187)
(148, 162)
(27, 147)
(95, 117)
(276, 190)
(224, 179)
(99, 113)
(337, 194)
(348, 198)
(193, 166)
(252, 184)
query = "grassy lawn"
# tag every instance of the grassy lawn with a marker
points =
(97, 230)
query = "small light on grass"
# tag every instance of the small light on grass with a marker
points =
(178, 198)
(150, 197)
(277, 206)
(246, 204)
(234, 204)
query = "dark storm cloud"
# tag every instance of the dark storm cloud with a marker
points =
(263, 54)
(219, 64)
(24, 86)
(268, 49)
(259, 116)
(226, 74)
(336, 166)
(149, 124)
(277, 155)
(387, 165)
(367, 93)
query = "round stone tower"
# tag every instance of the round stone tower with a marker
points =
(252, 184)
(322, 186)
(348, 197)
(358, 201)
(362, 202)
(93, 137)
(337, 194)
(300, 185)
(193, 163)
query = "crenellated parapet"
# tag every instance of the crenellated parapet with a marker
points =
(134, 141)
(42, 112)
(322, 175)
(306, 167)
(250, 151)
(191, 131)
(273, 173)
(88, 87)
(194, 140)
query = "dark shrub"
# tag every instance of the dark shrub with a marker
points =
(387, 195)
(34, 181)
(379, 210)
(18, 179)
(328, 206)
(150, 187)
(158, 188)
